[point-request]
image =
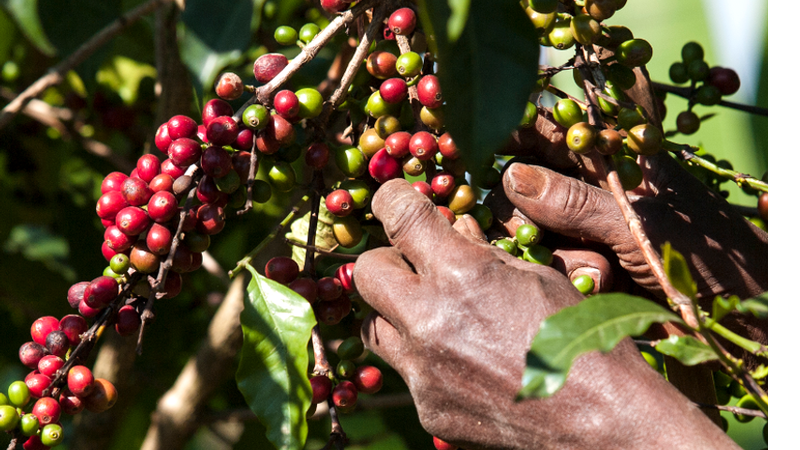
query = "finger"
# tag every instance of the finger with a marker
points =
(386, 281)
(414, 225)
(576, 262)
(468, 227)
(382, 338)
(566, 205)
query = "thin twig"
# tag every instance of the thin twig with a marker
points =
(687, 92)
(686, 153)
(56, 74)
(734, 410)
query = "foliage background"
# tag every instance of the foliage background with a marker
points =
(50, 236)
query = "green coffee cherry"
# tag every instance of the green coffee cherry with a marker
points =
(528, 235)
(310, 103)
(308, 32)
(678, 73)
(285, 35)
(529, 116)
(255, 116)
(351, 161)
(18, 394)
(282, 177)
(538, 254)
(345, 369)
(630, 174)
(692, 51)
(748, 402)
(508, 246)
(584, 284)
(8, 418)
(29, 424)
(483, 215)
(52, 435)
(409, 64)
(567, 112)
(350, 348)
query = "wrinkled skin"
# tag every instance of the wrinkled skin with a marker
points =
(456, 318)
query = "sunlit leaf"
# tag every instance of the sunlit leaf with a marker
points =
(272, 374)
(598, 323)
(686, 349)
(678, 271)
(25, 14)
(756, 306)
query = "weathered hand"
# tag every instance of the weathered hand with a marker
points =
(727, 254)
(456, 319)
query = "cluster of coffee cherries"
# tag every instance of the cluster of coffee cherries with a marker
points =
(47, 355)
(330, 298)
(708, 84)
(561, 29)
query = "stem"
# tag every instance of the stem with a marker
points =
(734, 410)
(687, 153)
(323, 251)
(686, 92)
(261, 245)
(251, 178)
(55, 75)
(747, 344)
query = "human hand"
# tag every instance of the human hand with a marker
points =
(456, 320)
(726, 253)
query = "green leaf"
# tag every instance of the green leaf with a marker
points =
(495, 41)
(221, 27)
(597, 323)
(272, 374)
(722, 306)
(757, 306)
(678, 271)
(25, 14)
(686, 349)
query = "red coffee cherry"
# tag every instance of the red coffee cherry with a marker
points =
(763, 205)
(112, 182)
(442, 184)
(118, 241)
(345, 276)
(403, 22)
(334, 6)
(320, 388)
(159, 239)
(162, 207)
(132, 220)
(31, 353)
(368, 379)
(142, 259)
(442, 445)
(339, 202)
(57, 343)
(447, 213)
(281, 269)
(136, 191)
(215, 108)
(148, 167)
(229, 86)
(397, 143)
(49, 365)
(306, 287)
(37, 383)
(109, 204)
(329, 289)
(181, 127)
(101, 291)
(724, 79)
(423, 188)
(128, 320)
(73, 326)
(222, 131)
(429, 92)
(162, 139)
(47, 410)
(244, 140)
(394, 90)
(216, 162)
(184, 152)
(423, 145)
(317, 155)
(70, 403)
(169, 167)
(80, 380)
(43, 326)
(75, 293)
(287, 104)
(88, 311)
(345, 395)
(383, 167)
(210, 219)
(266, 67)
(447, 147)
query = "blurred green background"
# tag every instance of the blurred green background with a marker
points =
(103, 117)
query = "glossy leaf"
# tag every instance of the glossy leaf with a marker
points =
(756, 306)
(686, 349)
(497, 42)
(272, 373)
(597, 323)
(25, 14)
(678, 271)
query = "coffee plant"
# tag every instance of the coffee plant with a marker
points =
(258, 132)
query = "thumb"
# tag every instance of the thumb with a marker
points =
(566, 205)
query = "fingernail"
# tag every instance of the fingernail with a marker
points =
(525, 180)
(593, 272)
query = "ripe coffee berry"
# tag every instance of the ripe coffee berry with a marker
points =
(281, 269)
(286, 104)
(184, 152)
(222, 131)
(423, 145)
(57, 343)
(403, 21)
(368, 379)
(162, 139)
(42, 327)
(423, 188)
(31, 353)
(159, 239)
(443, 184)
(397, 144)
(724, 79)
(229, 86)
(345, 276)
(116, 240)
(210, 219)
(320, 388)
(102, 397)
(128, 321)
(109, 204)
(333, 6)
(47, 410)
(215, 108)
(266, 67)
(329, 288)
(394, 90)
(162, 207)
(317, 155)
(345, 395)
(73, 326)
(383, 167)
(216, 161)
(306, 287)
(381, 64)
(49, 364)
(430, 94)
(169, 167)
(339, 202)
(37, 383)
(101, 291)
(439, 444)
(447, 213)
(113, 182)
(181, 127)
